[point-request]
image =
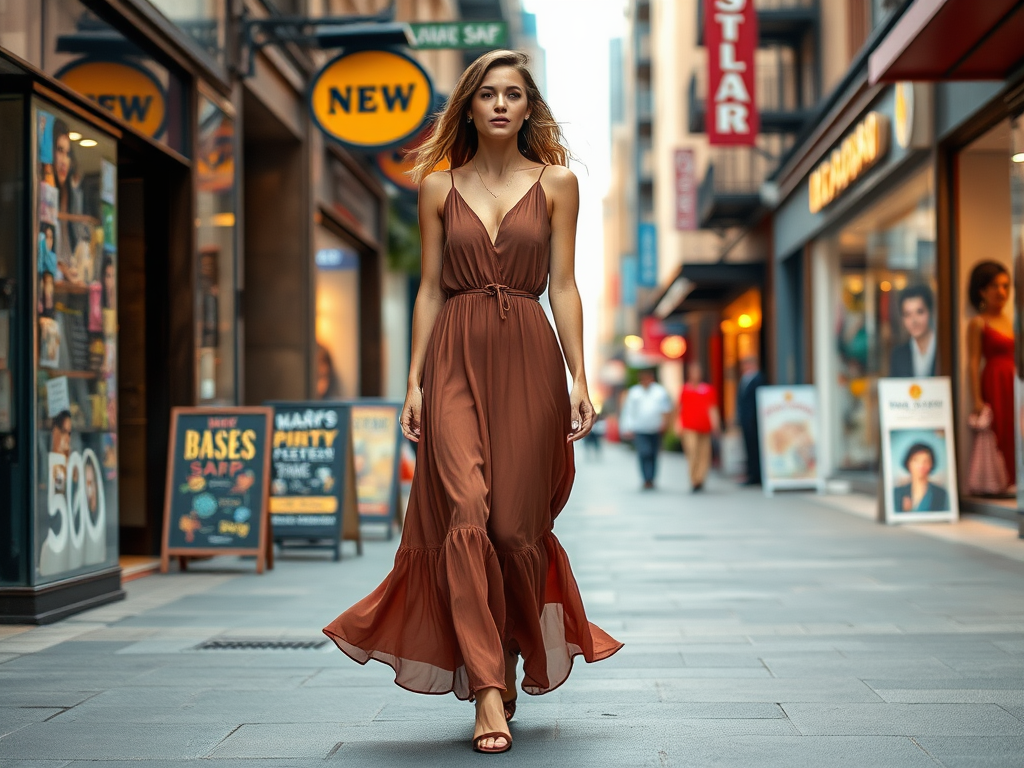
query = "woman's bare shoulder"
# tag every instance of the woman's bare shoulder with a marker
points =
(437, 183)
(559, 175)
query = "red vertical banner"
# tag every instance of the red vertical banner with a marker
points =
(686, 189)
(730, 33)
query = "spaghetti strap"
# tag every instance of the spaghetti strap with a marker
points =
(542, 169)
(451, 172)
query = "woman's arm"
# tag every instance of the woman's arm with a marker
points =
(429, 298)
(565, 296)
(974, 329)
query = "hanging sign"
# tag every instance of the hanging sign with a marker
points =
(371, 100)
(376, 437)
(918, 457)
(647, 255)
(686, 190)
(218, 466)
(124, 87)
(313, 484)
(730, 33)
(788, 428)
(459, 34)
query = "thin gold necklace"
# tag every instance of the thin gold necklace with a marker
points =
(507, 183)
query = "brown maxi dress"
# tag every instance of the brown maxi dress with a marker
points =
(479, 571)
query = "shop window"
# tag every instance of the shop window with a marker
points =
(878, 277)
(74, 251)
(337, 317)
(201, 20)
(216, 203)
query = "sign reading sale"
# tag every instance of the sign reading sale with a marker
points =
(730, 33)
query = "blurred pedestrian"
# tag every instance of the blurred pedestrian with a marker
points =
(746, 409)
(479, 578)
(698, 420)
(645, 417)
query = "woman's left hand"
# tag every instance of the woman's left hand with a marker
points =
(582, 413)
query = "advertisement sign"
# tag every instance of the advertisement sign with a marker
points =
(860, 149)
(686, 190)
(312, 479)
(918, 456)
(218, 467)
(124, 87)
(647, 255)
(459, 34)
(788, 422)
(730, 34)
(376, 436)
(371, 100)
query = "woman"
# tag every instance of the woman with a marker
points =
(990, 341)
(920, 495)
(915, 358)
(72, 233)
(698, 421)
(479, 578)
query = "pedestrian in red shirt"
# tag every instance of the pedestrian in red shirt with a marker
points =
(698, 420)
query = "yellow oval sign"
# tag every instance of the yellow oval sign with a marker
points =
(128, 90)
(371, 100)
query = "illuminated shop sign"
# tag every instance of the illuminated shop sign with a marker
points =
(371, 100)
(860, 149)
(730, 32)
(124, 87)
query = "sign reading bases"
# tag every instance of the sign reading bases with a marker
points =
(730, 33)
(860, 149)
(460, 34)
(371, 100)
(126, 88)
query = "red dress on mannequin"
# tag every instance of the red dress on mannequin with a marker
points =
(997, 390)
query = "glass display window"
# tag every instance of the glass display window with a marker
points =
(74, 253)
(875, 289)
(216, 203)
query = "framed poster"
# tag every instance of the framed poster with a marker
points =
(312, 478)
(218, 470)
(376, 436)
(788, 426)
(918, 456)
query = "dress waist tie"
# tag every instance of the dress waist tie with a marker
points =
(501, 293)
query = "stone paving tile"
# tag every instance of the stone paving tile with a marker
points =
(972, 752)
(1017, 710)
(954, 696)
(77, 741)
(859, 667)
(31, 696)
(14, 718)
(818, 689)
(903, 720)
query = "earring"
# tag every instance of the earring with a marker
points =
(469, 118)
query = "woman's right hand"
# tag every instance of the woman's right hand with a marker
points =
(411, 414)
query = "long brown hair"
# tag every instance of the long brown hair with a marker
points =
(455, 140)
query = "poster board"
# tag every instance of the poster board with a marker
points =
(376, 439)
(218, 471)
(917, 441)
(789, 429)
(312, 477)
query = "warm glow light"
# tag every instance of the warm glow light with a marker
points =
(1018, 158)
(855, 284)
(74, 136)
(885, 286)
(223, 219)
(901, 282)
(728, 326)
(744, 320)
(673, 347)
(633, 342)
(87, 143)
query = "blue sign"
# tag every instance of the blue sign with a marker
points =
(647, 250)
(629, 281)
(337, 258)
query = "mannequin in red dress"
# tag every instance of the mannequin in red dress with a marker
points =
(990, 354)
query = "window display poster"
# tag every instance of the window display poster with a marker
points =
(918, 457)
(788, 427)
(375, 437)
(76, 442)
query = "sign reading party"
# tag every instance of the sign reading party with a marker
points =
(918, 457)
(730, 34)
(371, 100)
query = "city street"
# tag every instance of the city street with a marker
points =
(759, 633)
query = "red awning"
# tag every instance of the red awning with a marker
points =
(952, 40)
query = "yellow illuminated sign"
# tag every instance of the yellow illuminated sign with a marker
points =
(860, 149)
(371, 99)
(127, 89)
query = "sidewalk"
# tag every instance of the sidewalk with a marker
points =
(760, 633)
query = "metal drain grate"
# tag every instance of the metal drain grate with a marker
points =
(261, 645)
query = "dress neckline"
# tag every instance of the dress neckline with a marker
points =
(487, 233)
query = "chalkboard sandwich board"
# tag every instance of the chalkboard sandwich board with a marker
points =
(376, 439)
(312, 479)
(218, 471)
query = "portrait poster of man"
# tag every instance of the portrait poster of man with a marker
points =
(918, 456)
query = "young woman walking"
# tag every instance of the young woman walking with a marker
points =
(480, 579)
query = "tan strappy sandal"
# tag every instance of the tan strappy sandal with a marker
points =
(477, 743)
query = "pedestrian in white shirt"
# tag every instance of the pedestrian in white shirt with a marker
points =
(645, 417)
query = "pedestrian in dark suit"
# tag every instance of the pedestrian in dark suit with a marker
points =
(915, 357)
(746, 409)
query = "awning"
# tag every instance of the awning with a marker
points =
(951, 40)
(706, 287)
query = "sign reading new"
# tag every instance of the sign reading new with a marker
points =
(124, 87)
(730, 33)
(371, 100)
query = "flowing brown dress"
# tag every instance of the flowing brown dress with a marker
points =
(479, 570)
